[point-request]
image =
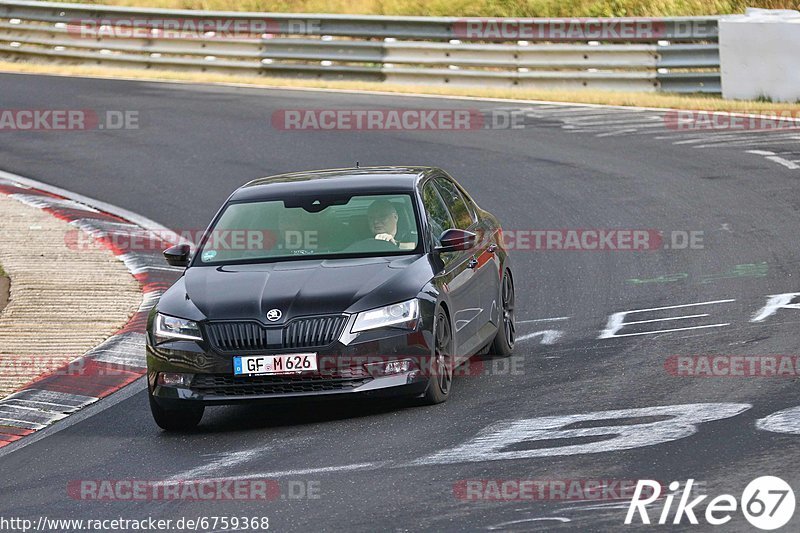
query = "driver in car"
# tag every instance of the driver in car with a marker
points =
(382, 217)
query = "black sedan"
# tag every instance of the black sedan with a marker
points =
(371, 282)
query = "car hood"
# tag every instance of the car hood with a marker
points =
(307, 287)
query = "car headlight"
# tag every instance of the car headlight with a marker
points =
(403, 315)
(170, 327)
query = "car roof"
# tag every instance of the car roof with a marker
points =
(364, 180)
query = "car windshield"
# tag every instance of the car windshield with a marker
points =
(298, 228)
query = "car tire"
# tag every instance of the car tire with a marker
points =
(441, 380)
(503, 344)
(176, 419)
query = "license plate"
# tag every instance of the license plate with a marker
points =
(252, 365)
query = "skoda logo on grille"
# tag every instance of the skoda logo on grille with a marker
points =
(274, 314)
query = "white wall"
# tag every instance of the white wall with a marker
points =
(760, 55)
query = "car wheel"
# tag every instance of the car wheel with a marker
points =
(441, 382)
(176, 419)
(503, 343)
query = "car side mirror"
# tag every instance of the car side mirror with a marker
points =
(178, 255)
(456, 240)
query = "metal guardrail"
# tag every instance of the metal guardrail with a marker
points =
(675, 54)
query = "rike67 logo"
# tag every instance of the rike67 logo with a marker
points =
(767, 503)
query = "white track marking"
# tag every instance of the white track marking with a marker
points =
(497, 437)
(791, 165)
(785, 421)
(773, 140)
(671, 330)
(753, 142)
(629, 120)
(549, 336)
(638, 124)
(665, 319)
(617, 320)
(494, 442)
(568, 109)
(615, 133)
(682, 305)
(775, 302)
(682, 134)
(703, 137)
(759, 138)
(504, 525)
(304, 471)
(554, 319)
(223, 463)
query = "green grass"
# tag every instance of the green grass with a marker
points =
(3, 272)
(474, 8)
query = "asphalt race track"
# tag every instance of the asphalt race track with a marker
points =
(394, 467)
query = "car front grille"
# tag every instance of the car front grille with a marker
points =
(232, 386)
(245, 336)
(250, 336)
(308, 332)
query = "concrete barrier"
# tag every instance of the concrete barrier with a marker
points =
(760, 55)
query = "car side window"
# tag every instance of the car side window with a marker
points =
(456, 204)
(438, 217)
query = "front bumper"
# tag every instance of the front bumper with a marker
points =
(383, 387)
(342, 372)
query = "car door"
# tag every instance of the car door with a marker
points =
(482, 261)
(456, 275)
